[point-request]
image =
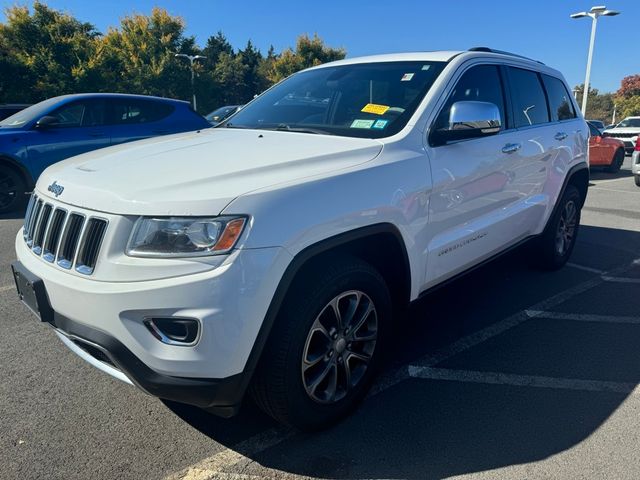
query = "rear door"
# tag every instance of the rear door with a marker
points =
(135, 119)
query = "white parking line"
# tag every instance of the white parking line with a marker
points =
(585, 268)
(584, 317)
(7, 288)
(496, 378)
(212, 467)
(508, 323)
(620, 279)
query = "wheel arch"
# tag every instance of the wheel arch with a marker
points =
(362, 243)
(578, 176)
(10, 162)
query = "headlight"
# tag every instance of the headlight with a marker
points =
(184, 237)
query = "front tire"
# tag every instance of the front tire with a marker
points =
(637, 179)
(556, 243)
(325, 346)
(12, 190)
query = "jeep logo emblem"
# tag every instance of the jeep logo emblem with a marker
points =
(56, 189)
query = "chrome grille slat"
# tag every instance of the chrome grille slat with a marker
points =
(70, 239)
(50, 247)
(27, 216)
(41, 228)
(65, 238)
(33, 221)
(88, 252)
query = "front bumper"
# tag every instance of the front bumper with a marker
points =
(221, 396)
(229, 300)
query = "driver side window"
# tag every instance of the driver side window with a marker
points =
(481, 83)
(69, 116)
(87, 113)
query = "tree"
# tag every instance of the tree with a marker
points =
(139, 57)
(628, 96)
(599, 105)
(47, 52)
(309, 52)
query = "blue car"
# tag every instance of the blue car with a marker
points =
(62, 127)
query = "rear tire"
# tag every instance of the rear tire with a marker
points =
(317, 365)
(12, 190)
(616, 163)
(637, 179)
(554, 247)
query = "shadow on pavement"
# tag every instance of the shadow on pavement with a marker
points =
(423, 428)
(599, 173)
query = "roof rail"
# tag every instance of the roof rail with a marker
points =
(502, 52)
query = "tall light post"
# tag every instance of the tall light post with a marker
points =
(594, 13)
(192, 58)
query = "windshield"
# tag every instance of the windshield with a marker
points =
(221, 113)
(629, 122)
(370, 100)
(25, 116)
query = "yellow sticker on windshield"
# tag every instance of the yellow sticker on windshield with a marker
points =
(375, 108)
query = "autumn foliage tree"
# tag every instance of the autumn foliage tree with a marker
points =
(628, 96)
(45, 52)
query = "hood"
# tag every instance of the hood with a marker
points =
(623, 130)
(197, 173)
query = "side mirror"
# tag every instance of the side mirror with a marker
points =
(471, 119)
(46, 122)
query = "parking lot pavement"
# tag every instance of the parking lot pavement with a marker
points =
(505, 373)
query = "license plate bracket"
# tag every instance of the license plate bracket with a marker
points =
(32, 292)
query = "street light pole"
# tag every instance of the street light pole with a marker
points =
(191, 59)
(594, 14)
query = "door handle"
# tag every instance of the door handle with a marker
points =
(511, 147)
(560, 136)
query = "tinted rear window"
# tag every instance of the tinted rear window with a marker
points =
(529, 101)
(559, 99)
(134, 111)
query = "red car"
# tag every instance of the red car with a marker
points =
(605, 151)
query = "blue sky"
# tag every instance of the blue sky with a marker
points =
(540, 29)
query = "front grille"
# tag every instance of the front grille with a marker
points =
(65, 238)
(621, 135)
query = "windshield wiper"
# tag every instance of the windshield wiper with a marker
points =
(283, 127)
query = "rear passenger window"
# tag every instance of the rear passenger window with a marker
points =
(129, 112)
(481, 83)
(529, 102)
(559, 100)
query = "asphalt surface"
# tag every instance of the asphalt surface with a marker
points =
(506, 373)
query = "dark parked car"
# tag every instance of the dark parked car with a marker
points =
(221, 114)
(62, 127)
(597, 123)
(8, 109)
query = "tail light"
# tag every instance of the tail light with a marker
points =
(637, 149)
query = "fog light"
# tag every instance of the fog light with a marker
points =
(174, 331)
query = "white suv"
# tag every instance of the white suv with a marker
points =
(269, 254)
